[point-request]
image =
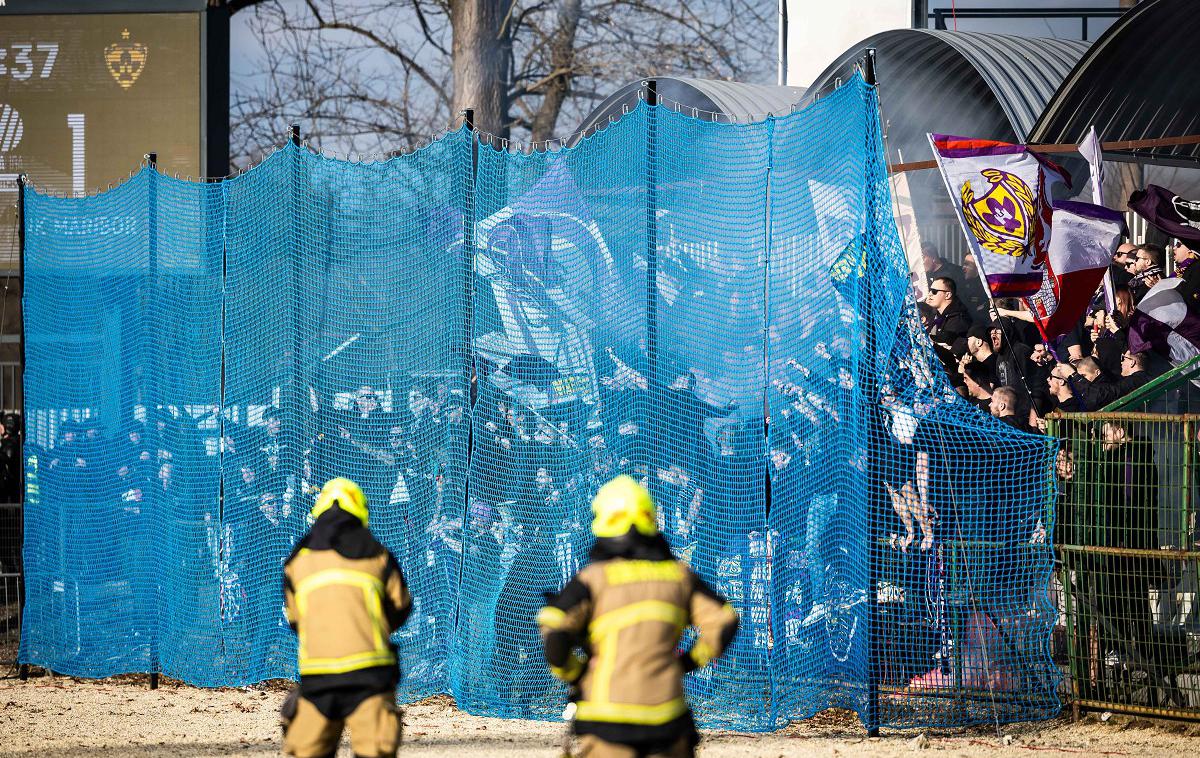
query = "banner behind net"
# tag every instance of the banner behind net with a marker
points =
(481, 339)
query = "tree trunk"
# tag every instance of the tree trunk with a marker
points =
(481, 52)
(562, 65)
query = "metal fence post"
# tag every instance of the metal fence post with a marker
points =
(652, 229)
(22, 183)
(874, 520)
(152, 278)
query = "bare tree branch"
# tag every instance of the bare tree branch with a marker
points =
(367, 75)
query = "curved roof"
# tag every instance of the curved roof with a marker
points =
(990, 86)
(1140, 80)
(983, 85)
(713, 99)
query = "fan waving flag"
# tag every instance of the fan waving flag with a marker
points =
(1081, 247)
(1001, 193)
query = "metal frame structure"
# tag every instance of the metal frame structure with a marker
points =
(939, 15)
(1129, 559)
(214, 161)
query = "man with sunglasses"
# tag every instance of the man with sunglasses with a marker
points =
(1146, 269)
(1133, 372)
(946, 318)
(1122, 260)
(1059, 383)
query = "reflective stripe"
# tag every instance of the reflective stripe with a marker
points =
(702, 653)
(607, 666)
(629, 572)
(551, 617)
(346, 663)
(636, 613)
(571, 670)
(629, 713)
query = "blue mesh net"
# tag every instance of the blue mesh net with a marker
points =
(481, 338)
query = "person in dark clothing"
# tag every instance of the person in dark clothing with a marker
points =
(937, 267)
(1005, 405)
(989, 366)
(1187, 270)
(972, 293)
(345, 596)
(1037, 374)
(949, 319)
(946, 321)
(1147, 270)
(1095, 390)
(1121, 269)
(1133, 373)
(1062, 376)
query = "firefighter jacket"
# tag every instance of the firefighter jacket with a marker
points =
(345, 596)
(628, 610)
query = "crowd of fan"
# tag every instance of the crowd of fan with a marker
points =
(995, 357)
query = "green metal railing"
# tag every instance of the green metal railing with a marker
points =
(1177, 378)
(1126, 543)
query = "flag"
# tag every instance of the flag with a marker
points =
(1162, 322)
(1169, 212)
(1001, 194)
(849, 267)
(910, 235)
(1082, 242)
(1092, 151)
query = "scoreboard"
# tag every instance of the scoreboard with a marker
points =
(88, 87)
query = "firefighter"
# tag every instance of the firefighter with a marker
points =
(345, 597)
(612, 633)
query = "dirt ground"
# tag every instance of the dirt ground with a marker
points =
(62, 716)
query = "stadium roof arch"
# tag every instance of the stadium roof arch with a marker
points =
(990, 86)
(967, 83)
(1139, 81)
(708, 99)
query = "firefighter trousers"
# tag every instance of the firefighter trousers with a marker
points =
(375, 730)
(591, 746)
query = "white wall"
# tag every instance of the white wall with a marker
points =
(821, 30)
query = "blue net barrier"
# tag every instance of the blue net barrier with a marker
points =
(481, 338)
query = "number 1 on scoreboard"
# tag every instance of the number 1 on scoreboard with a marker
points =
(76, 122)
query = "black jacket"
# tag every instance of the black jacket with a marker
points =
(951, 324)
(1136, 380)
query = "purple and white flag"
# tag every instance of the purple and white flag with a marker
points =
(1162, 322)
(1092, 151)
(1001, 194)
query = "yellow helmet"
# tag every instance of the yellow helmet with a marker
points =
(623, 504)
(346, 494)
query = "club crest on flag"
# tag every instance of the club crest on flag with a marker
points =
(1001, 219)
(1001, 194)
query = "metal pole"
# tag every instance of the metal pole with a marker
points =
(22, 182)
(468, 288)
(152, 284)
(873, 518)
(292, 394)
(652, 230)
(781, 73)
